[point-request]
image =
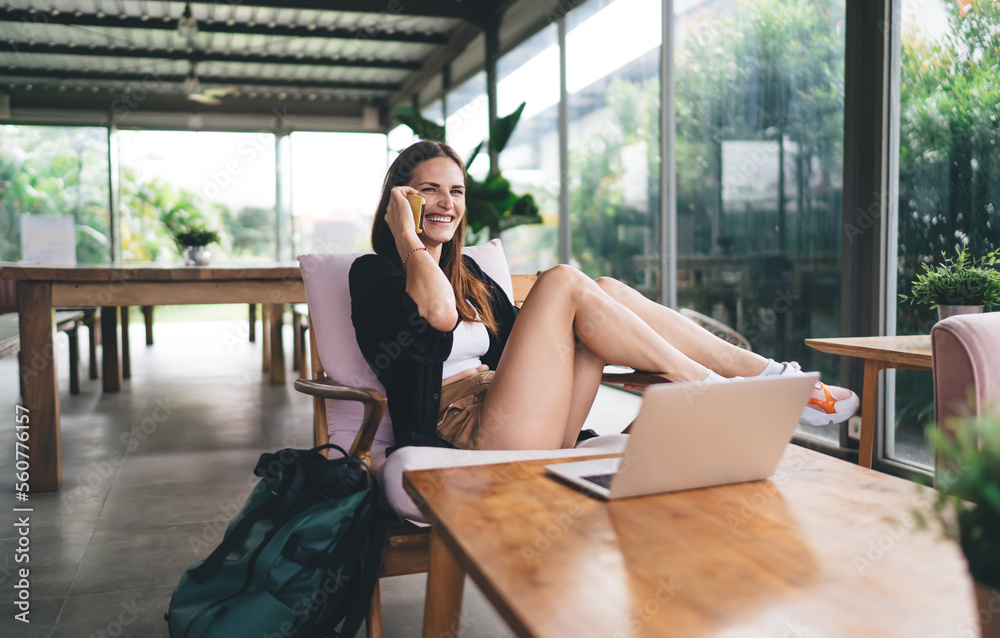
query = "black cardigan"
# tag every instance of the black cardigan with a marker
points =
(405, 352)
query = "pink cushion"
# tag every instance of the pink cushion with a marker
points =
(966, 364)
(329, 299)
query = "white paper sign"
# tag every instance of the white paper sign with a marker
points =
(48, 239)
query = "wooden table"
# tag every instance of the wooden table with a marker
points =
(824, 548)
(40, 289)
(880, 353)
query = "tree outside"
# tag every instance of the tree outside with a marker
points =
(49, 170)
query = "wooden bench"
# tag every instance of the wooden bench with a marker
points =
(67, 321)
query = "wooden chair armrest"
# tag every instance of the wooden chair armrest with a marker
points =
(373, 400)
(633, 378)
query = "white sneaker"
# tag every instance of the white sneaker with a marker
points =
(828, 404)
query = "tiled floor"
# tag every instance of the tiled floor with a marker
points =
(152, 475)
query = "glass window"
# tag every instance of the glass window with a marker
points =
(614, 140)
(467, 122)
(336, 184)
(530, 161)
(176, 178)
(60, 173)
(434, 112)
(759, 99)
(398, 139)
(949, 173)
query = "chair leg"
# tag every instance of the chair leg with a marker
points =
(74, 359)
(373, 623)
(296, 342)
(126, 358)
(147, 315)
(253, 322)
(265, 363)
(93, 321)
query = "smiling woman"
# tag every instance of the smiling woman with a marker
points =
(527, 384)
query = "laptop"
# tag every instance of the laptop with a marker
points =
(692, 435)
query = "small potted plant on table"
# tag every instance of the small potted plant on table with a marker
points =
(967, 504)
(193, 243)
(958, 285)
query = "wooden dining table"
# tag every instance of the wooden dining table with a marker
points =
(41, 289)
(823, 548)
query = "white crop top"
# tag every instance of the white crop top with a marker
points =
(469, 342)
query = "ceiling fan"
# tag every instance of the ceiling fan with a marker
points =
(187, 27)
(195, 92)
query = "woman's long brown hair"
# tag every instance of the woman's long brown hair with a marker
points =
(466, 286)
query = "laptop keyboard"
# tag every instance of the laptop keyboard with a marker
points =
(604, 480)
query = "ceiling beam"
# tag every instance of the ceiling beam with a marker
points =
(32, 19)
(205, 56)
(435, 63)
(147, 78)
(474, 11)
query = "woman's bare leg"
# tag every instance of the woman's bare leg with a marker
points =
(528, 405)
(587, 371)
(694, 341)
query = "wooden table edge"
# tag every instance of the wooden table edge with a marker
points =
(444, 582)
(911, 360)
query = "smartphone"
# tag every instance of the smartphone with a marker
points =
(417, 206)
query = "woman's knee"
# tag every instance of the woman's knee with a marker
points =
(613, 287)
(564, 277)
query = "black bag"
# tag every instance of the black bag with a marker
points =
(300, 557)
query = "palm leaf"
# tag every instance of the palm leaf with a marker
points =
(503, 128)
(422, 127)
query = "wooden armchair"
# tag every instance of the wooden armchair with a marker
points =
(341, 407)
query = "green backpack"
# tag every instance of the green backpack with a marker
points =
(300, 557)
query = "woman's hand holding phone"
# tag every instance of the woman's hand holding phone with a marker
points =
(400, 214)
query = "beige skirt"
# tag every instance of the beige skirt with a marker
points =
(461, 410)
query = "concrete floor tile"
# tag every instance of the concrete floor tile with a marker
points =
(139, 558)
(136, 613)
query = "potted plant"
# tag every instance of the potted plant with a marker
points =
(490, 203)
(958, 285)
(967, 504)
(193, 241)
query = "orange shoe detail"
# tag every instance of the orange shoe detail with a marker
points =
(827, 405)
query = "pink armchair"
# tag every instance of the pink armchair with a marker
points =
(966, 350)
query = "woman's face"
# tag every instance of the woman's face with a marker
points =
(441, 183)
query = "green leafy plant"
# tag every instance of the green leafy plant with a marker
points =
(963, 280)
(967, 502)
(490, 203)
(195, 235)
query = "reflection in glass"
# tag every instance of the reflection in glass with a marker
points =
(530, 74)
(55, 171)
(759, 100)
(614, 133)
(467, 122)
(336, 184)
(949, 170)
(173, 179)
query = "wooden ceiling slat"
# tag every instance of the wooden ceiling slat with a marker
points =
(93, 20)
(206, 56)
(85, 74)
